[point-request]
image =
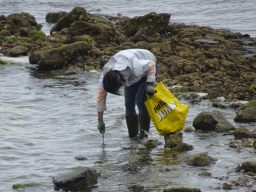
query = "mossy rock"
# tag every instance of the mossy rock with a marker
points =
(247, 167)
(248, 113)
(242, 132)
(77, 14)
(200, 159)
(173, 139)
(151, 23)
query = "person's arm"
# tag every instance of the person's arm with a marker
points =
(151, 74)
(151, 78)
(100, 114)
(101, 106)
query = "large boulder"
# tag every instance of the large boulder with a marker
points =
(15, 21)
(151, 23)
(212, 121)
(59, 57)
(79, 179)
(54, 17)
(77, 14)
(247, 113)
(101, 32)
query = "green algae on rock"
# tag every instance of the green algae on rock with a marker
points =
(17, 186)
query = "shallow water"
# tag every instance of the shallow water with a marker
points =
(234, 15)
(48, 119)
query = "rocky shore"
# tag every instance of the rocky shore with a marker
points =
(191, 59)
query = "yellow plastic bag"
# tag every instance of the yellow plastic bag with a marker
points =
(165, 110)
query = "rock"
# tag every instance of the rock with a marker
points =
(100, 32)
(200, 159)
(151, 23)
(18, 51)
(212, 121)
(205, 174)
(182, 189)
(188, 129)
(77, 14)
(247, 113)
(15, 21)
(242, 132)
(5, 33)
(2, 18)
(58, 57)
(247, 167)
(54, 17)
(80, 179)
(173, 139)
(184, 147)
(226, 186)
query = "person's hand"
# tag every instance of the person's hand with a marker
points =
(101, 125)
(150, 89)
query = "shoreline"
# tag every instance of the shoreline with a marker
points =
(190, 57)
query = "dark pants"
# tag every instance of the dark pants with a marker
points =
(136, 95)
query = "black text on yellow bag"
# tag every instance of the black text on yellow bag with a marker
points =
(165, 110)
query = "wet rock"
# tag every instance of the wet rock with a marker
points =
(247, 167)
(205, 174)
(100, 32)
(247, 113)
(15, 21)
(226, 186)
(182, 189)
(77, 14)
(58, 57)
(184, 147)
(235, 105)
(212, 121)
(3, 18)
(200, 159)
(54, 17)
(18, 51)
(151, 23)
(242, 132)
(79, 179)
(5, 33)
(173, 139)
(188, 129)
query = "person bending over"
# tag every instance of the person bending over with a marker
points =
(136, 69)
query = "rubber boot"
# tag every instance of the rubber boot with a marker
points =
(132, 125)
(144, 120)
